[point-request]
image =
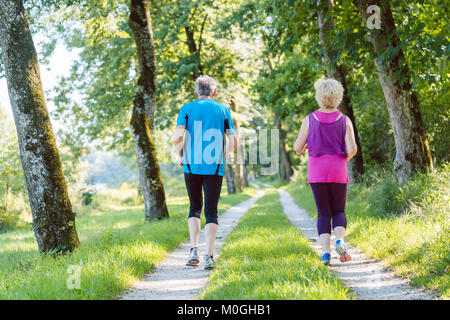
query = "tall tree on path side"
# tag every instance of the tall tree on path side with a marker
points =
(144, 105)
(336, 70)
(286, 172)
(412, 150)
(53, 218)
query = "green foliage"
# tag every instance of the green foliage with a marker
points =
(87, 196)
(423, 29)
(288, 88)
(12, 182)
(104, 76)
(387, 197)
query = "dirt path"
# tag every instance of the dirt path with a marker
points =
(172, 279)
(367, 278)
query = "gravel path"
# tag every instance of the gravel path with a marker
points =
(172, 279)
(367, 278)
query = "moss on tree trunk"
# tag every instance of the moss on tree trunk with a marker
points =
(412, 150)
(53, 218)
(336, 71)
(286, 171)
(143, 111)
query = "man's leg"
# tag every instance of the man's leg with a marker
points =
(194, 190)
(210, 237)
(194, 230)
(212, 185)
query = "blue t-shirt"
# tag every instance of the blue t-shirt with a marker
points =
(206, 123)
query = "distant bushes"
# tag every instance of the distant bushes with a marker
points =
(387, 197)
(8, 219)
(87, 196)
(14, 213)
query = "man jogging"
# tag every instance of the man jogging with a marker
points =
(204, 130)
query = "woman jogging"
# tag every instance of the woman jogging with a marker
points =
(328, 135)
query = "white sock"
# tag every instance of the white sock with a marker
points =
(339, 233)
(325, 242)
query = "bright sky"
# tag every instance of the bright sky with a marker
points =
(60, 64)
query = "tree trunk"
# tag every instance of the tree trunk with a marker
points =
(229, 176)
(194, 50)
(286, 170)
(336, 71)
(240, 173)
(412, 150)
(143, 110)
(53, 218)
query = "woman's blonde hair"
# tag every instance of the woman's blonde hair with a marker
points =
(329, 93)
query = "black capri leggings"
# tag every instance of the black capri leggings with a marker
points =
(212, 185)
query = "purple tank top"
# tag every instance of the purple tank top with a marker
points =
(326, 138)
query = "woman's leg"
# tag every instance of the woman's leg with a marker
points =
(338, 194)
(324, 212)
(338, 199)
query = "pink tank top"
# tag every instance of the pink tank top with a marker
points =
(326, 148)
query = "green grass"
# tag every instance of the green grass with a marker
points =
(117, 248)
(407, 227)
(265, 257)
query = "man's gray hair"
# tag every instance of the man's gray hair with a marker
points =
(205, 86)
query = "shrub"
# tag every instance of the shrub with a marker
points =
(9, 219)
(88, 196)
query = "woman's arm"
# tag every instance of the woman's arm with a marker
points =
(350, 141)
(300, 143)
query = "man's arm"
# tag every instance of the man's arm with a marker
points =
(178, 139)
(232, 143)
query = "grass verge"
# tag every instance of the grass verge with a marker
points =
(117, 248)
(265, 257)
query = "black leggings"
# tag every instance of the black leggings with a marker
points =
(212, 185)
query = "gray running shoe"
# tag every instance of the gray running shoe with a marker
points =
(194, 258)
(209, 262)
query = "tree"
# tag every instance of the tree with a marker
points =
(53, 218)
(104, 75)
(143, 112)
(412, 151)
(336, 70)
(229, 176)
(286, 171)
(240, 172)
